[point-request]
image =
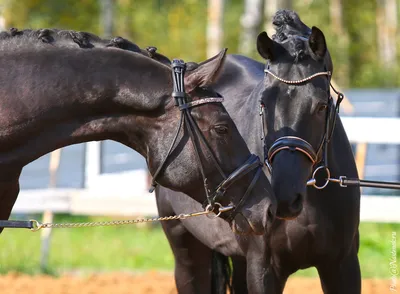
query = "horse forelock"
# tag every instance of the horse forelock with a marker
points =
(288, 23)
(292, 34)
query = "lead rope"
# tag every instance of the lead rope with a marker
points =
(35, 226)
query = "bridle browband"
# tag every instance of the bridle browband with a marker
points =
(181, 100)
(298, 144)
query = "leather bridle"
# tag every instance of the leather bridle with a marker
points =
(317, 156)
(252, 163)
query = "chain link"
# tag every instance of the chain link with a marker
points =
(209, 210)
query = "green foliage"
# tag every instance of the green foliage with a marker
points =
(178, 29)
(354, 52)
(66, 14)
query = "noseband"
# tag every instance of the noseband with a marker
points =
(294, 143)
(252, 163)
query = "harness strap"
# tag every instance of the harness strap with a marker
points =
(153, 181)
(17, 224)
(292, 143)
(204, 141)
(179, 94)
(189, 127)
(251, 163)
(297, 143)
(200, 102)
(246, 195)
(324, 73)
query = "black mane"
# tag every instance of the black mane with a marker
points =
(71, 38)
(287, 23)
(80, 39)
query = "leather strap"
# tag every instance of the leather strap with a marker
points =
(16, 224)
(243, 170)
(245, 196)
(364, 183)
(295, 143)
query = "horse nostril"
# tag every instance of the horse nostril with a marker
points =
(297, 203)
(271, 212)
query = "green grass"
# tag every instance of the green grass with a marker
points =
(101, 248)
(136, 249)
(375, 250)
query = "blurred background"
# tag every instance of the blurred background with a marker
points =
(101, 180)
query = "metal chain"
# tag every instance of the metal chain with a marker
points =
(209, 210)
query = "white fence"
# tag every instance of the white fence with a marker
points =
(125, 193)
(87, 202)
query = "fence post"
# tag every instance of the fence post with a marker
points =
(48, 214)
(361, 156)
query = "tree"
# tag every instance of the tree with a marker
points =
(386, 22)
(106, 17)
(215, 31)
(250, 23)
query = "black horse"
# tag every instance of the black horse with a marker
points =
(52, 97)
(289, 116)
(319, 233)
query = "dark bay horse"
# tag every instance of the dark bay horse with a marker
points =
(287, 121)
(52, 97)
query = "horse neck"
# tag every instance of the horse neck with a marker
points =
(244, 109)
(126, 103)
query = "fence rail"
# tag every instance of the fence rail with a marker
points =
(99, 199)
(372, 130)
(86, 202)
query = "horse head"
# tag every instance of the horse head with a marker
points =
(297, 107)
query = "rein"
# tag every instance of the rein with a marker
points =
(298, 144)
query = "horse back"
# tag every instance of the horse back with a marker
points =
(241, 71)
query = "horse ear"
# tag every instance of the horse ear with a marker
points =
(317, 42)
(205, 73)
(265, 46)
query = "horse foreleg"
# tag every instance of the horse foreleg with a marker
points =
(9, 189)
(239, 274)
(192, 259)
(342, 276)
(262, 275)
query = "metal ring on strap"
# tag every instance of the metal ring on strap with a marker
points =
(313, 181)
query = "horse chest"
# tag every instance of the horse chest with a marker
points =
(301, 244)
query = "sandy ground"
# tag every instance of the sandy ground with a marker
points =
(147, 283)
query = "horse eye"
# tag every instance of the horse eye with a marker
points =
(220, 129)
(322, 108)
